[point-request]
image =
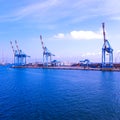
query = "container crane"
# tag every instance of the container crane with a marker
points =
(106, 50)
(19, 56)
(47, 56)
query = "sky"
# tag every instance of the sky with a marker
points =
(72, 30)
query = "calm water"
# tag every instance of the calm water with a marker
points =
(43, 94)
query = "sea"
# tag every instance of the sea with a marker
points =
(54, 94)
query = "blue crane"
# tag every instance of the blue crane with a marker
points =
(19, 56)
(85, 62)
(47, 56)
(106, 49)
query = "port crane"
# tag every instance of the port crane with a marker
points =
(106, 50)
(85, 62)
(47, 56)
(19, 56)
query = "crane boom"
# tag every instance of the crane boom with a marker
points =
(17, 46)
(103, 26)
(12, 47)
(42, 43)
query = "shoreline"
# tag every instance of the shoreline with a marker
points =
(70, 68)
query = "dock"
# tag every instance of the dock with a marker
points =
(69, 68)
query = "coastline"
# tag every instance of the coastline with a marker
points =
(69, 68)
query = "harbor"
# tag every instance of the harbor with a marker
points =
(59, 60)
(107, 64)
(69, 68)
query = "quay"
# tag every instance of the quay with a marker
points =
(68, 67)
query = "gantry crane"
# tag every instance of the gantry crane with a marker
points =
(106, 50)
(19, 56)
(47, 56)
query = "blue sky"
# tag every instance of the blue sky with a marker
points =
(70, 29)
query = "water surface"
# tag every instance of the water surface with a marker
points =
(46, 94)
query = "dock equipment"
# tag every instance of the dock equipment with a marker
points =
(55, 63)
(106, 50)
(84, 63)
(47, 56)
(19, 56)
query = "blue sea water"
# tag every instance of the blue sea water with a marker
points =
(46, 94)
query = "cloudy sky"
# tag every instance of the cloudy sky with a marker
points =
(70, 29)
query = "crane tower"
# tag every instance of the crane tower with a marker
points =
(47, 56)
(19, 56)
(106, 50)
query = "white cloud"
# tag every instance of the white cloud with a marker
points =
(59, 36)
(37, 7)
(91, 54)
(58, 9)
(85, 35)
(79, 35)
